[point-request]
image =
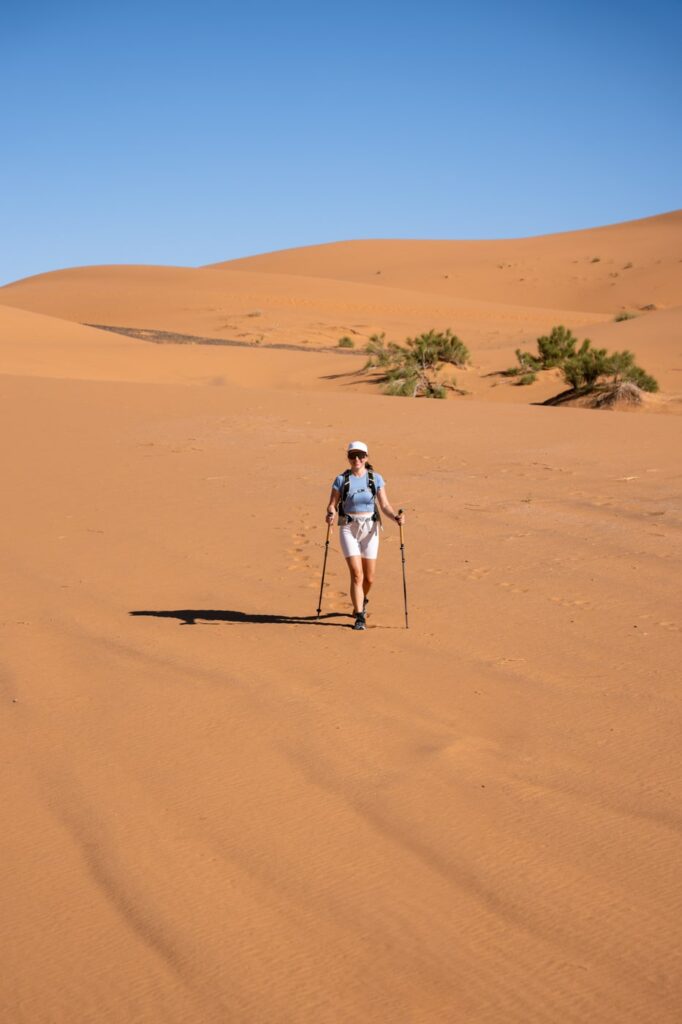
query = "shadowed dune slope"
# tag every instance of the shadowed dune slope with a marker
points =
(41, 346)
(626, 265)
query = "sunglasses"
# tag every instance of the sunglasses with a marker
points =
(357, 455)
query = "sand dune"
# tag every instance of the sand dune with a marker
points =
(46, 346)
(271, 307)
(40, 346)
(600, 270)
(218, 808)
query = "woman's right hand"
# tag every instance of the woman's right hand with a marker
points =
(329, 518)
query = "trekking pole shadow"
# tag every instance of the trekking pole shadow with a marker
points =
(192, 616)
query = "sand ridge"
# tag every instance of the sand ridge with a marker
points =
(625, 265)
(268, 306)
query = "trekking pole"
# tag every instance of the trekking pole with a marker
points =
(402, 555)
(324, 569)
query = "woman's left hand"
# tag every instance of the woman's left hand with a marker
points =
(400, 518)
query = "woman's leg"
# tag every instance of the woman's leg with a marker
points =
(355, 567)
(369, 568)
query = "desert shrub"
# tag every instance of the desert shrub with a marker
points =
(583, 369)
(380, 354)
(435, 347)
(553, 349)
(624, 315)
(643, 380)
(591, 367)
(413, 384)
(623, 369)
(595, 259)
(528, 363)
(402, 387)
(345, 342)
(412, 369)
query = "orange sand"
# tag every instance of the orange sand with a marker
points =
(218, 809)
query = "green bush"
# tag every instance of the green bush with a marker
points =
(402, 387)
(345, 342)
(379, 354)
(624, 315)
(584, 369)
(411, 369)
(528, 363)
(413, 384)
(594, 367)
(553, 349)
(623, 369)
(642, 379)
(435, 347)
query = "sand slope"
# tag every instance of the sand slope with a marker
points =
(40, 346)
(272, 307)
(605, 269)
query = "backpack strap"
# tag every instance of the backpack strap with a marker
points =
(345, 487)
(373, 488)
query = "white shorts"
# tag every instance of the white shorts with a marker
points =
(360, 537)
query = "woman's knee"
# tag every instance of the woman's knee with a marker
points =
(355, 573)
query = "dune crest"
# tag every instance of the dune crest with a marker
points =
(599, 270)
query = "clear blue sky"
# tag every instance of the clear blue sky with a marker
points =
(184, 134)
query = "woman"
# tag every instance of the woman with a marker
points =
(355, 495)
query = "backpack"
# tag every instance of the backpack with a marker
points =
(346, 488)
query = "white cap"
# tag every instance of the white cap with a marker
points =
(358, 446)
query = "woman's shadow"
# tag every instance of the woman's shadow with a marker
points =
(190, 616)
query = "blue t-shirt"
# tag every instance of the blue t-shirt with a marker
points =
(360, 498)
